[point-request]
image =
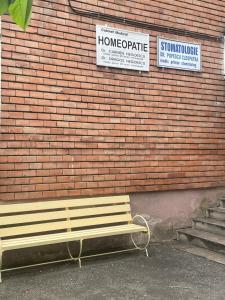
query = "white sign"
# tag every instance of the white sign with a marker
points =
(179, 55)
(122, 49)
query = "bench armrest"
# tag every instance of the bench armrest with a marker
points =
(148, 232)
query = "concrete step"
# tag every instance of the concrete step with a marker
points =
(208, 254)
(216, 213)
(203, 239)
(222, 202)
(210, 225)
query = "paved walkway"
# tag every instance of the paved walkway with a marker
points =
(167, 274)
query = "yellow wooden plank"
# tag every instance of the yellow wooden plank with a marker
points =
(63, 214)
(56, 236)
(30, 218)
(76, 232)
(29, 229)
(45, 205)
(70, 236)
(100, 220)
(78, 223)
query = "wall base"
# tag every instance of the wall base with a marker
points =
(168, 211)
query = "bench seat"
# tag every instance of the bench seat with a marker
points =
(40, 240)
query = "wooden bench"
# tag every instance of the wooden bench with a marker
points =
(34, 224)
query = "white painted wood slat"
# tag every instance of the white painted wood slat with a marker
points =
(70, 236)
(48, 205)
(63, 214)
(78, 223)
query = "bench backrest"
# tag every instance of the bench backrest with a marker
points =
(36, 218)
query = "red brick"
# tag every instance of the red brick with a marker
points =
(72, 129)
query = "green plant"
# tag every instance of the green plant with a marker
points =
(19, 10)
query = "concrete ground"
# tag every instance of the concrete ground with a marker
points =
(167, 274)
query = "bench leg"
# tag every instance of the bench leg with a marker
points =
(80, 252)
(79, 257)
(146, 252)
(1, 253)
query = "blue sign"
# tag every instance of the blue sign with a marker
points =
(179, 55)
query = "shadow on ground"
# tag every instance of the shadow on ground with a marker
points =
(167, 274)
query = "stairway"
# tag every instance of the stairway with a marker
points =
(206, 234)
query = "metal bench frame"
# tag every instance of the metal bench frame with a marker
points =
(27, 225)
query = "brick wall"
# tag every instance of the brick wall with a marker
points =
(70, 128)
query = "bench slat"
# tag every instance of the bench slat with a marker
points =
(78, 223)
(70, 236)
(47, 205)
(63, 214)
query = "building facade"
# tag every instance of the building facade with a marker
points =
(72, 128)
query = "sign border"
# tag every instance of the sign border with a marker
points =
(178, 68)
(130, 31)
